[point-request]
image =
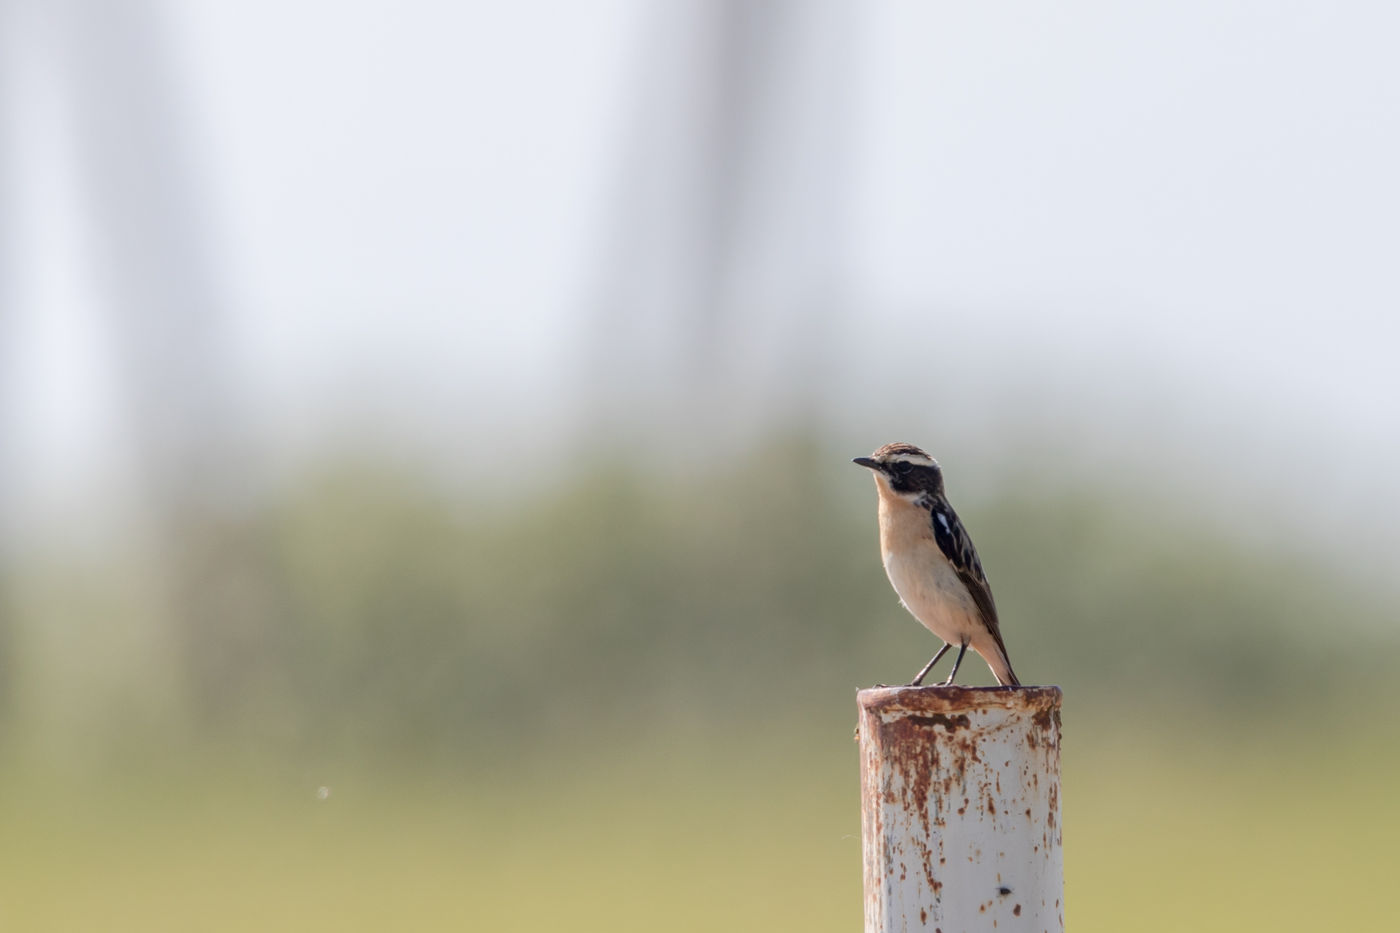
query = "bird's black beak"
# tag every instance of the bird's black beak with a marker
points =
(867, 463)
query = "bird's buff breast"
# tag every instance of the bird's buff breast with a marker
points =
(926, 582)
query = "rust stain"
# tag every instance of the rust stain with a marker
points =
(923, 917)
(958, 721)
(1016, 911)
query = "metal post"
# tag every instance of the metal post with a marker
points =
(960, 809)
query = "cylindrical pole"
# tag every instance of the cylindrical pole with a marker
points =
(960, 809)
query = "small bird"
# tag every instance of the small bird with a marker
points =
(931, 562)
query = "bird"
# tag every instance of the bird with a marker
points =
(929, 558)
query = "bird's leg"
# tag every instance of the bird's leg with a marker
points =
(929, 666)
(954, 672)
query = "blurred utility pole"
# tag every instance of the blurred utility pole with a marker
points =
(726, 244)
(7, 361)
(166, 331)
(169, 326)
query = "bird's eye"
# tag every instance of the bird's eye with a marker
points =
(903, 466)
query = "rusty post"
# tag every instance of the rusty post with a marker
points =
(960, 808)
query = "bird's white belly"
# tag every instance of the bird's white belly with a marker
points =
(931, 590)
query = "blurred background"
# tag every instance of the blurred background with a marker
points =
(425, 498)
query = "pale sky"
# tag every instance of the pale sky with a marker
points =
(1167, 219)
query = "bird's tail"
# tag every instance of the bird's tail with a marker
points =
(999, 661)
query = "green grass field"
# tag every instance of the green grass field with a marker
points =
(1294, 831)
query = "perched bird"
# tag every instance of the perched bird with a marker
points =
(931, 562)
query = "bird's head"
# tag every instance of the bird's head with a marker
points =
(904, 470)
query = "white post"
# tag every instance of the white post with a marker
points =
(960, 809)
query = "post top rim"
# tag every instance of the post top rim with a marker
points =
(956, 698)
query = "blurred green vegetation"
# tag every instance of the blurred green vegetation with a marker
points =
(632, 688)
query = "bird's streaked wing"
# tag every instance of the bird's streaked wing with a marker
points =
(956, 545)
